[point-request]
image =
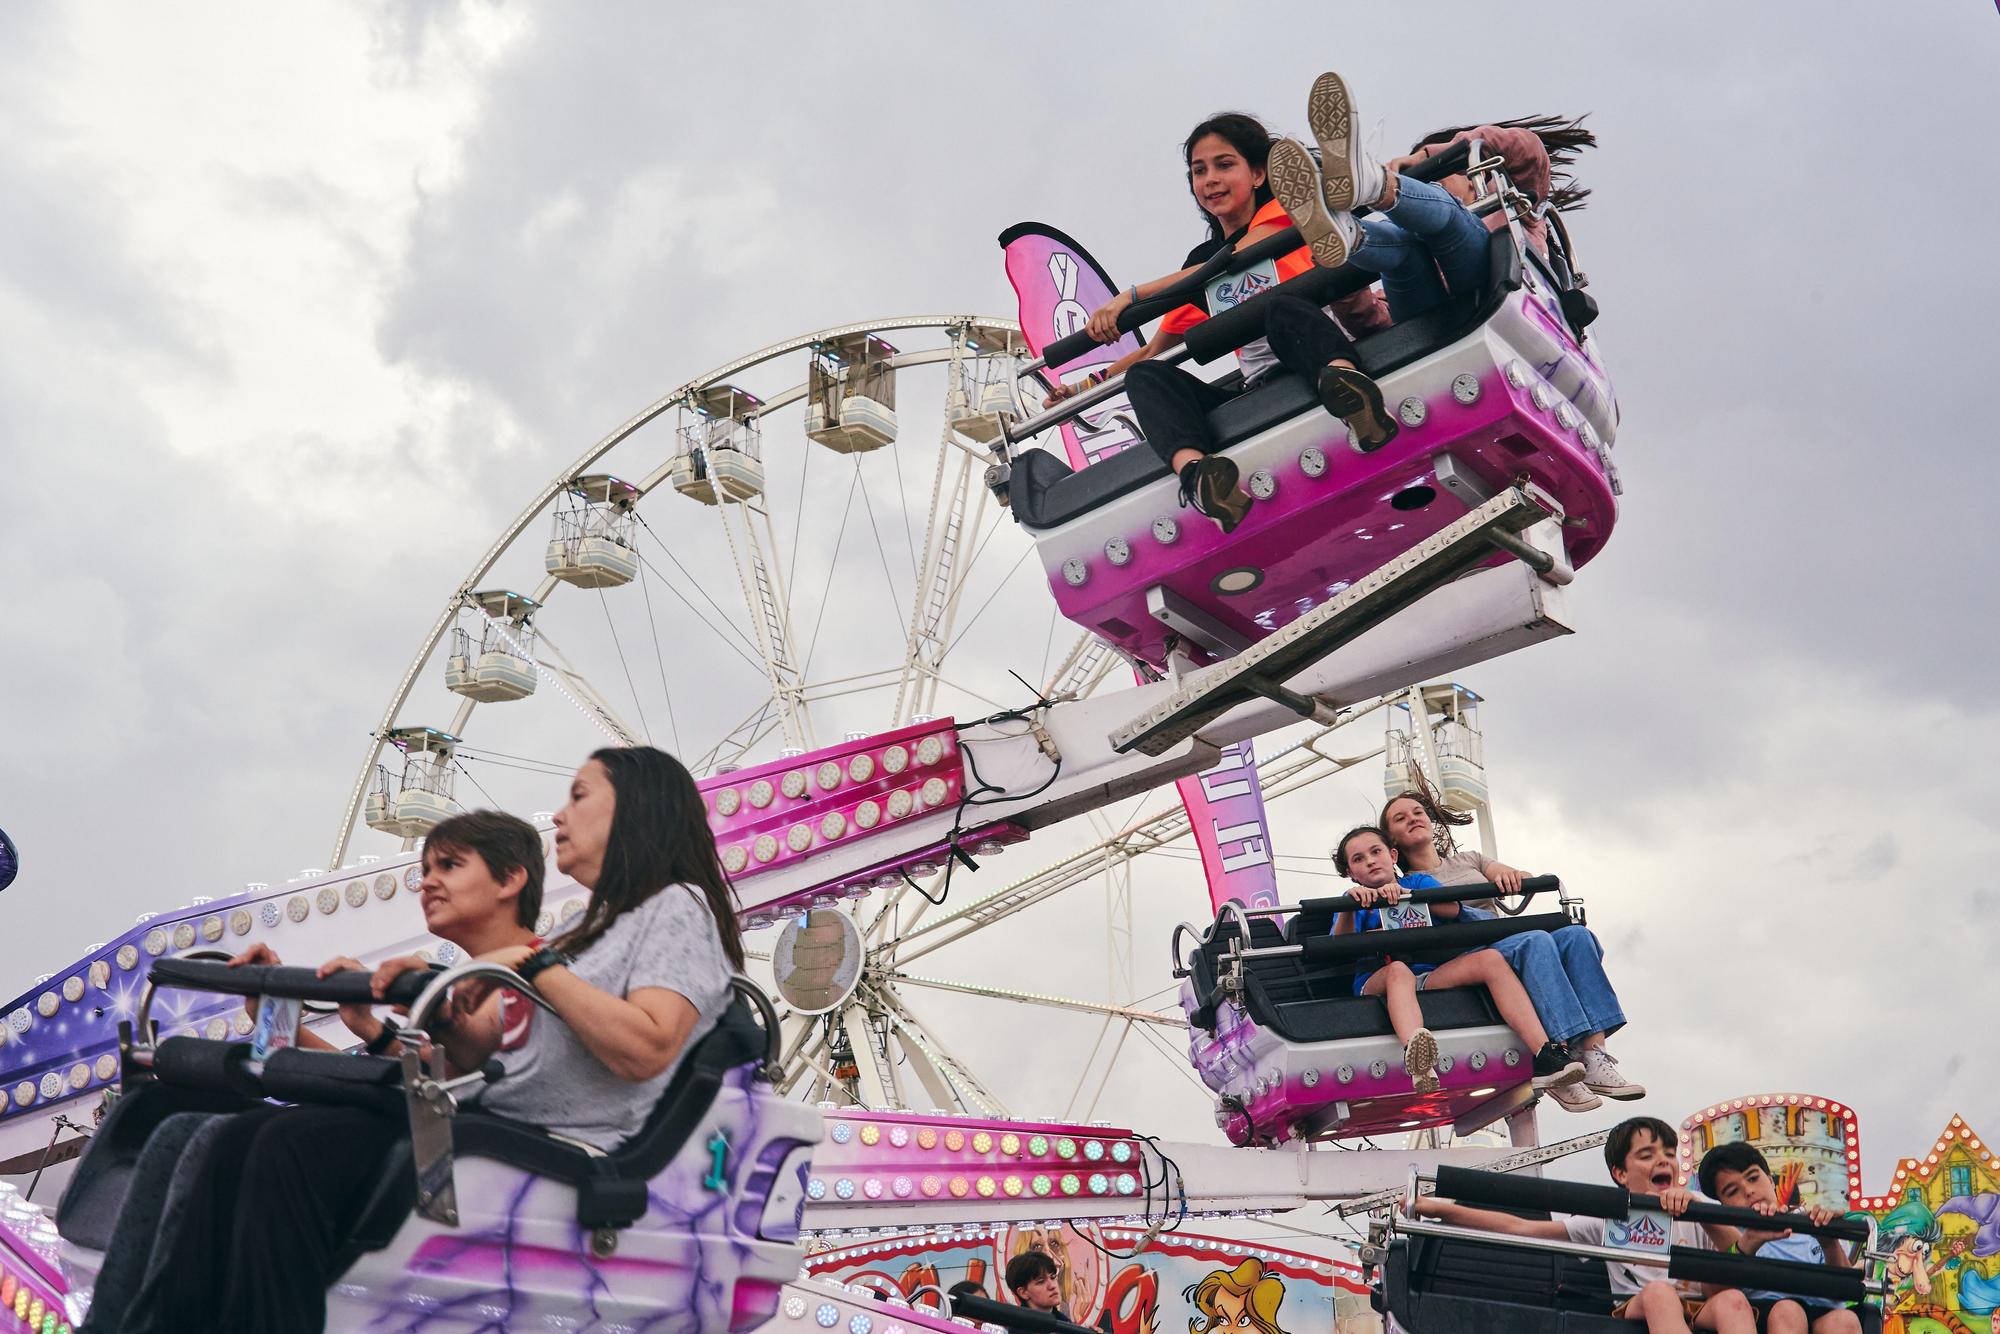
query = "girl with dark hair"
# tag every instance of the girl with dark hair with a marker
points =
(1422, 238)
(1563, 970)
(1229, 158)
(642, 976)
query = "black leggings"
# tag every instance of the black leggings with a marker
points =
(1172, 405)
(256, 1245)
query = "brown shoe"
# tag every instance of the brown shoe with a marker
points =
(1209, 484)
(1352, 396)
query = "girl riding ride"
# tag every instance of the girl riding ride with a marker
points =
(1563, 970)
(1228, 157)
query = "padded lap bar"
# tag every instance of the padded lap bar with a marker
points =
(1532, 885)
(198, 1063)
(273, 980)
(1747, 1271)
(1424, 942)
(1506, 1190)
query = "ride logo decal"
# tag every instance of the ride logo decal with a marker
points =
(1646, 1230)
(1236, 288)
(1402, 916)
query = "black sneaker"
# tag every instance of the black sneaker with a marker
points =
(1555, 1067)
(1209, 484)
(1352, 396)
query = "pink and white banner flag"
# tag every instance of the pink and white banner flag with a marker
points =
(1058, 284)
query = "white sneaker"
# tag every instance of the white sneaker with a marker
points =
(1601, 1075)
(1351, 175)
(1420, 1056)
(1574, 1097)
(1296, 182)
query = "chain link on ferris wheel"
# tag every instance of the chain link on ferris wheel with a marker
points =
(872, 1048)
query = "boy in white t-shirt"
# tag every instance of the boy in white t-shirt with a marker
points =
(1640, 1154)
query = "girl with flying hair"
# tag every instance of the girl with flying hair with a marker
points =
(1562, 970)
(1422, 237)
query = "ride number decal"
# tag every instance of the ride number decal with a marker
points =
(1402, 916)
(1236, 288)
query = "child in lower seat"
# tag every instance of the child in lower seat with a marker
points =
(1737, 1175)
(1640, 1155)
(1365, 857)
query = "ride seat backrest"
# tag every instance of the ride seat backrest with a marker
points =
(1491, 1272)
(1324, 981)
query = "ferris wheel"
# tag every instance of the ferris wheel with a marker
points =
(795, 547)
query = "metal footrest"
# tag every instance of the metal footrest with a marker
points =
(1262, 670)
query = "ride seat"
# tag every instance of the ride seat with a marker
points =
(1046, 493)
(610, 1187)
(1445, 1285)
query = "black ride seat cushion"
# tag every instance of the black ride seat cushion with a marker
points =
(1045, 493)
(90, 1204)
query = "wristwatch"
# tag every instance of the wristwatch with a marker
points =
(548, 956)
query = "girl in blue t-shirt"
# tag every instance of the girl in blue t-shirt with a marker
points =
(1365, 857)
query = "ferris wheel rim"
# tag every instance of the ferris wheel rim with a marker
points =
(440, 627)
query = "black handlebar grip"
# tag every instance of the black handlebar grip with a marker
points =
(1420, 942)
(344, 988)
(1530, 886)
(1506, 1190)
(1747, 1271)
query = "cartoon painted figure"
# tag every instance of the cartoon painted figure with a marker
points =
(1243, 1298)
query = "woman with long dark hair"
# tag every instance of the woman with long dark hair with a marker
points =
(1229, 158)
(642, 976)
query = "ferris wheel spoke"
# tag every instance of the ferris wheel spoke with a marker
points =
(934, 1053)
(745, 648)
(587, 694)
(1136, 1015)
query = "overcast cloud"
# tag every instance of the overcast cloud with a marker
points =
(302, 305)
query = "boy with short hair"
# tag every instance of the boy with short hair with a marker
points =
(1031, 1277)
(1640, 1155)
(1737, 1175)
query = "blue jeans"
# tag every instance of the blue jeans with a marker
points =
(1423, 232)
(1563, 974)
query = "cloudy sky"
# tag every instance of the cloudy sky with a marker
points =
(302, 305)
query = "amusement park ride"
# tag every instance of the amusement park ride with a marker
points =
(1356, 578)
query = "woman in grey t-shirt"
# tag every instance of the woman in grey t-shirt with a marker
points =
(642, 976)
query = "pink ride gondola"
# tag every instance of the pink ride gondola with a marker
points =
(1275, 1029)
(1499, 388)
